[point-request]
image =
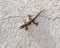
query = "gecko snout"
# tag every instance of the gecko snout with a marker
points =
(21, 27)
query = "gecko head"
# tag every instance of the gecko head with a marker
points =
(21, 27)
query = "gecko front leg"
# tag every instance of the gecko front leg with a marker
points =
(26, 27)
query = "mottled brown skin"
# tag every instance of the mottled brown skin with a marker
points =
(31, 21)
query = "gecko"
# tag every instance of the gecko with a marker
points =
(31, 21)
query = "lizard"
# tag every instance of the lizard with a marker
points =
(31, 21)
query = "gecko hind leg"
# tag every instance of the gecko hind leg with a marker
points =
(33, 21)
(36, 23)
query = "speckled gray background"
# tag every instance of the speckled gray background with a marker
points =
(13, 13)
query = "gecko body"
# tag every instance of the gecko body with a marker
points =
(31, 21)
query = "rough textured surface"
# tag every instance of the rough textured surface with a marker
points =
(45, 35)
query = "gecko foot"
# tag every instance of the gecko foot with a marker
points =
(36, 23)
(26, 28)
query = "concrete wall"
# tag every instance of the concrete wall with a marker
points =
(13, 14)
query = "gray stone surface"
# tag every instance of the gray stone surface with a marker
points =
(45, 35)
